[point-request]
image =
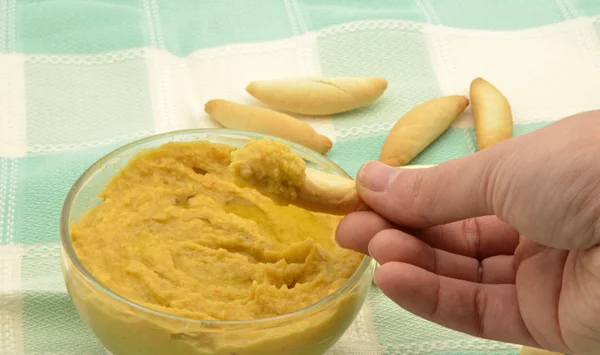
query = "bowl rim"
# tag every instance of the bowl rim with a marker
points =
(67, 245)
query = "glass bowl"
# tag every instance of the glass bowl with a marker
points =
(127, 328)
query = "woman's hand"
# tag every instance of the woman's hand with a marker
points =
(503, 244)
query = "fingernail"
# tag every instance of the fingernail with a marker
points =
(377, 266)
(376, 176)
(371, 253)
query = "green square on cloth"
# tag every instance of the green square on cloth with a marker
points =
(44, 181)
(67, 26)
(79, 78)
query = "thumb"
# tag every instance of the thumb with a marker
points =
(547, 192)
(424, 197)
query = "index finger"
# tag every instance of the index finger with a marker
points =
(479, 237)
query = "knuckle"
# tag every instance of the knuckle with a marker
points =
(496, 186)
(433, 314)
(593, 205)
(583, 210)
(415, 185)
(472, 237)
(417, 194)
(480, 300)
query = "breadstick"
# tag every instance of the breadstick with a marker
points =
(419, 127)
(492, 113)
(242, 117)
(318, 96)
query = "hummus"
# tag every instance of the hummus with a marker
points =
(175, 233)
(271, 167)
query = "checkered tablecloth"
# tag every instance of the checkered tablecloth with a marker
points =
(80, 78)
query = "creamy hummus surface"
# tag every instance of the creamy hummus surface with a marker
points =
(271, 167)
(175, 233)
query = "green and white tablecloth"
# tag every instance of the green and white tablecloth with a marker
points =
(80, 78)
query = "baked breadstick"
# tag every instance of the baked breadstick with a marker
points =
(242, 117)
(526, 350)
(318, 96)
(419, 127)
(492, 113)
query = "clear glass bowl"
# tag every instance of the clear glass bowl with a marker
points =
(127, 328)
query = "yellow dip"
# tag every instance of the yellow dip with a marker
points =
(271, 167)
(176, 234)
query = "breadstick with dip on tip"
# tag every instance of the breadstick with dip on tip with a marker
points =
(273, 169)
(419, 127)
(492, 113)
(242, 117)
(318, 96)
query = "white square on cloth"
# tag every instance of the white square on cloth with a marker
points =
(223, 73)
(360, 338)
(11, 301)
(13, 133)
(568, 50)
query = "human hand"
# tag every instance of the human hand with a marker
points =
(503, 244)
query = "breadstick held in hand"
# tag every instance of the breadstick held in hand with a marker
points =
(276, 171)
